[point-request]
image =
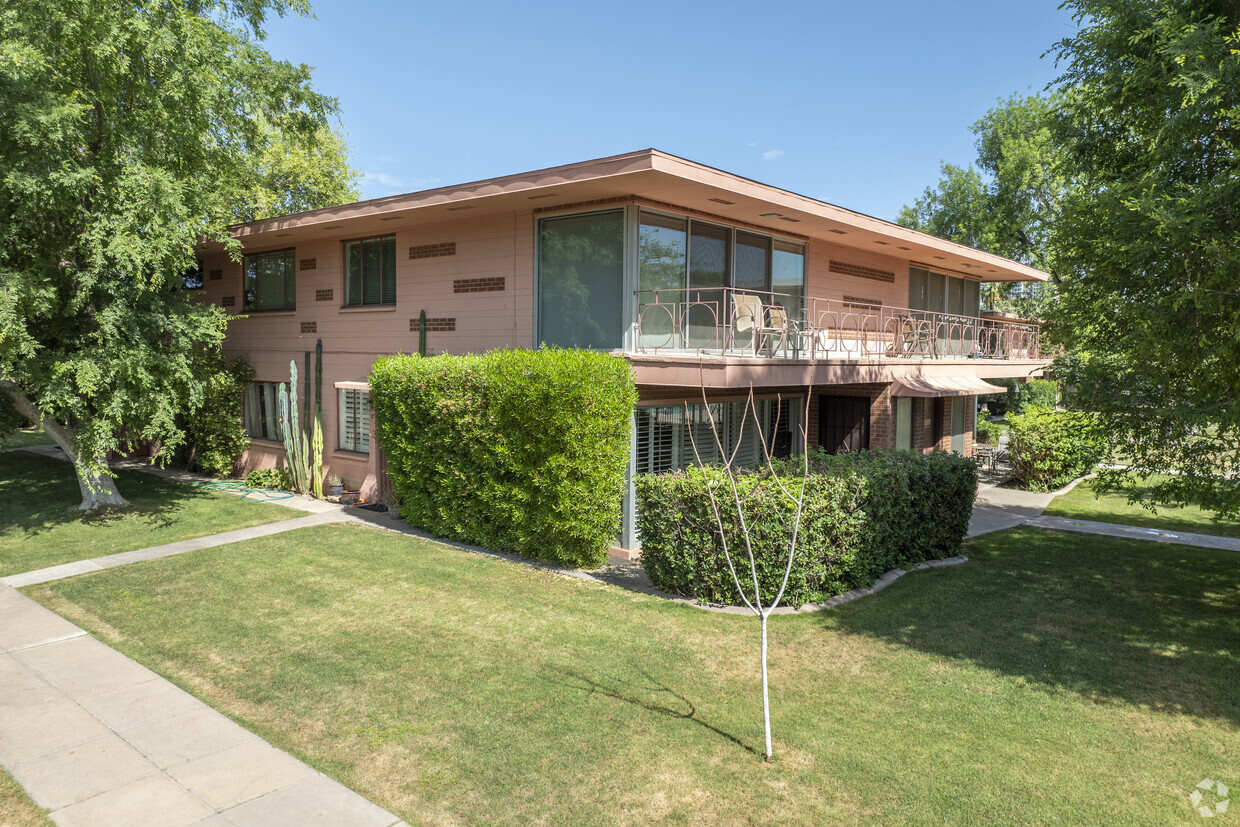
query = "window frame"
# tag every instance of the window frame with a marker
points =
(383, 302)
(342, 423)
(251, 412)
(290, 281)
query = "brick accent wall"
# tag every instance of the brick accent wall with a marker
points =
(440, 324)
(309, 327)
(490, 284)
(433, 250)
(862, 303)
(228, 301)
(872, 273)
(308, 264)
(324, 295)
(215, 275)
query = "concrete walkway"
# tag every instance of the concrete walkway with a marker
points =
(60, 572)
(1132, 532)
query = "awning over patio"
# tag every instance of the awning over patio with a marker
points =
(942, 386)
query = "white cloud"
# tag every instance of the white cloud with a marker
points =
(772, 154)
(384, 179)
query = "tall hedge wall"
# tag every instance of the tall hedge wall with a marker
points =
(865, 514)
(516, 450)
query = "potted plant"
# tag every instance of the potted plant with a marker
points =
(335, 485)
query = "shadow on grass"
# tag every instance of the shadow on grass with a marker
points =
(39, 494)
(654, 696)
(1129, 621)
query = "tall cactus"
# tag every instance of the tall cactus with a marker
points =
(295, 448)
(317, 446)
(286, 432)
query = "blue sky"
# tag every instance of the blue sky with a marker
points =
(852, 103)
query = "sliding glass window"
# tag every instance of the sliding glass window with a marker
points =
(662, 255)
(788, 276)
(581, 280)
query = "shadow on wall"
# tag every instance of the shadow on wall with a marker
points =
(1115, 621)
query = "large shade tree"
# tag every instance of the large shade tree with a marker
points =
(131, 133)
(1008, 201)
(1150, 239)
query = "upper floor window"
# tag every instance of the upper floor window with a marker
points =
(270, 281)
(370, 271)
(581, 280)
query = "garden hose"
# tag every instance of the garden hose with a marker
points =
(237, 487)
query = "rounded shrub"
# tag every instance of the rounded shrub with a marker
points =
(516, 450)
(1049, 448)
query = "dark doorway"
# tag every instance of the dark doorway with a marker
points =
(843, 423)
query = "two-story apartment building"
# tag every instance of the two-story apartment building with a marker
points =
(699, 278)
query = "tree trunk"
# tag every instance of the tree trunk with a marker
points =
(766, 698)
(97, 486)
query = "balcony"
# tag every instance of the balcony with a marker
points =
(725, 322)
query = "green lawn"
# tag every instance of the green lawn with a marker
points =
(16, 808)
(40, 526)
(25, 437)
(1055, 679)
(1083, 503)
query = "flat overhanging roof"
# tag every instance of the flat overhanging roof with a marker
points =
(648, 176)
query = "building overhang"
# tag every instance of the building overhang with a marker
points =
(648, 176)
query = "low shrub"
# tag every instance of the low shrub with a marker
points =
(1020, 395)
(1049, 448)
(276, 479)
(215, 436)
(516, 450)
(865, 513)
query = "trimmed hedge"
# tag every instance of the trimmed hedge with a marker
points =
(516, 450)
(865, 513)
(1049, 448)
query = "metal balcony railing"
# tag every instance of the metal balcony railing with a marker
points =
(724, 321)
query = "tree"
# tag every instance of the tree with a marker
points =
(1150, 297)
(1007, 204)
(132, 133)
(761, 605)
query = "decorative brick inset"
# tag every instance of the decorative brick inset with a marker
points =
(846, 269)
(440, 324)
(860, 303)
(215, 275)
(309, 327)
(228, 301)
(433, 250)
(489, 284)
(324, 295)
(308, 264)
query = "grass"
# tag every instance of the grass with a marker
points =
(16, 808)
(24, 438)
(40, 525)
(1056, 679)
(1084, 503)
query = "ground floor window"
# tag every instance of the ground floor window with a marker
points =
(843, 423)
(355, 421)
(667, 436)
(262, 410)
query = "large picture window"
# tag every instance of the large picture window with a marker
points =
(581, 280)
(271, 281)
(262, 410)
(355, 421)
(370, 271)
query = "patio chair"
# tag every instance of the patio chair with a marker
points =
(748, 318)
